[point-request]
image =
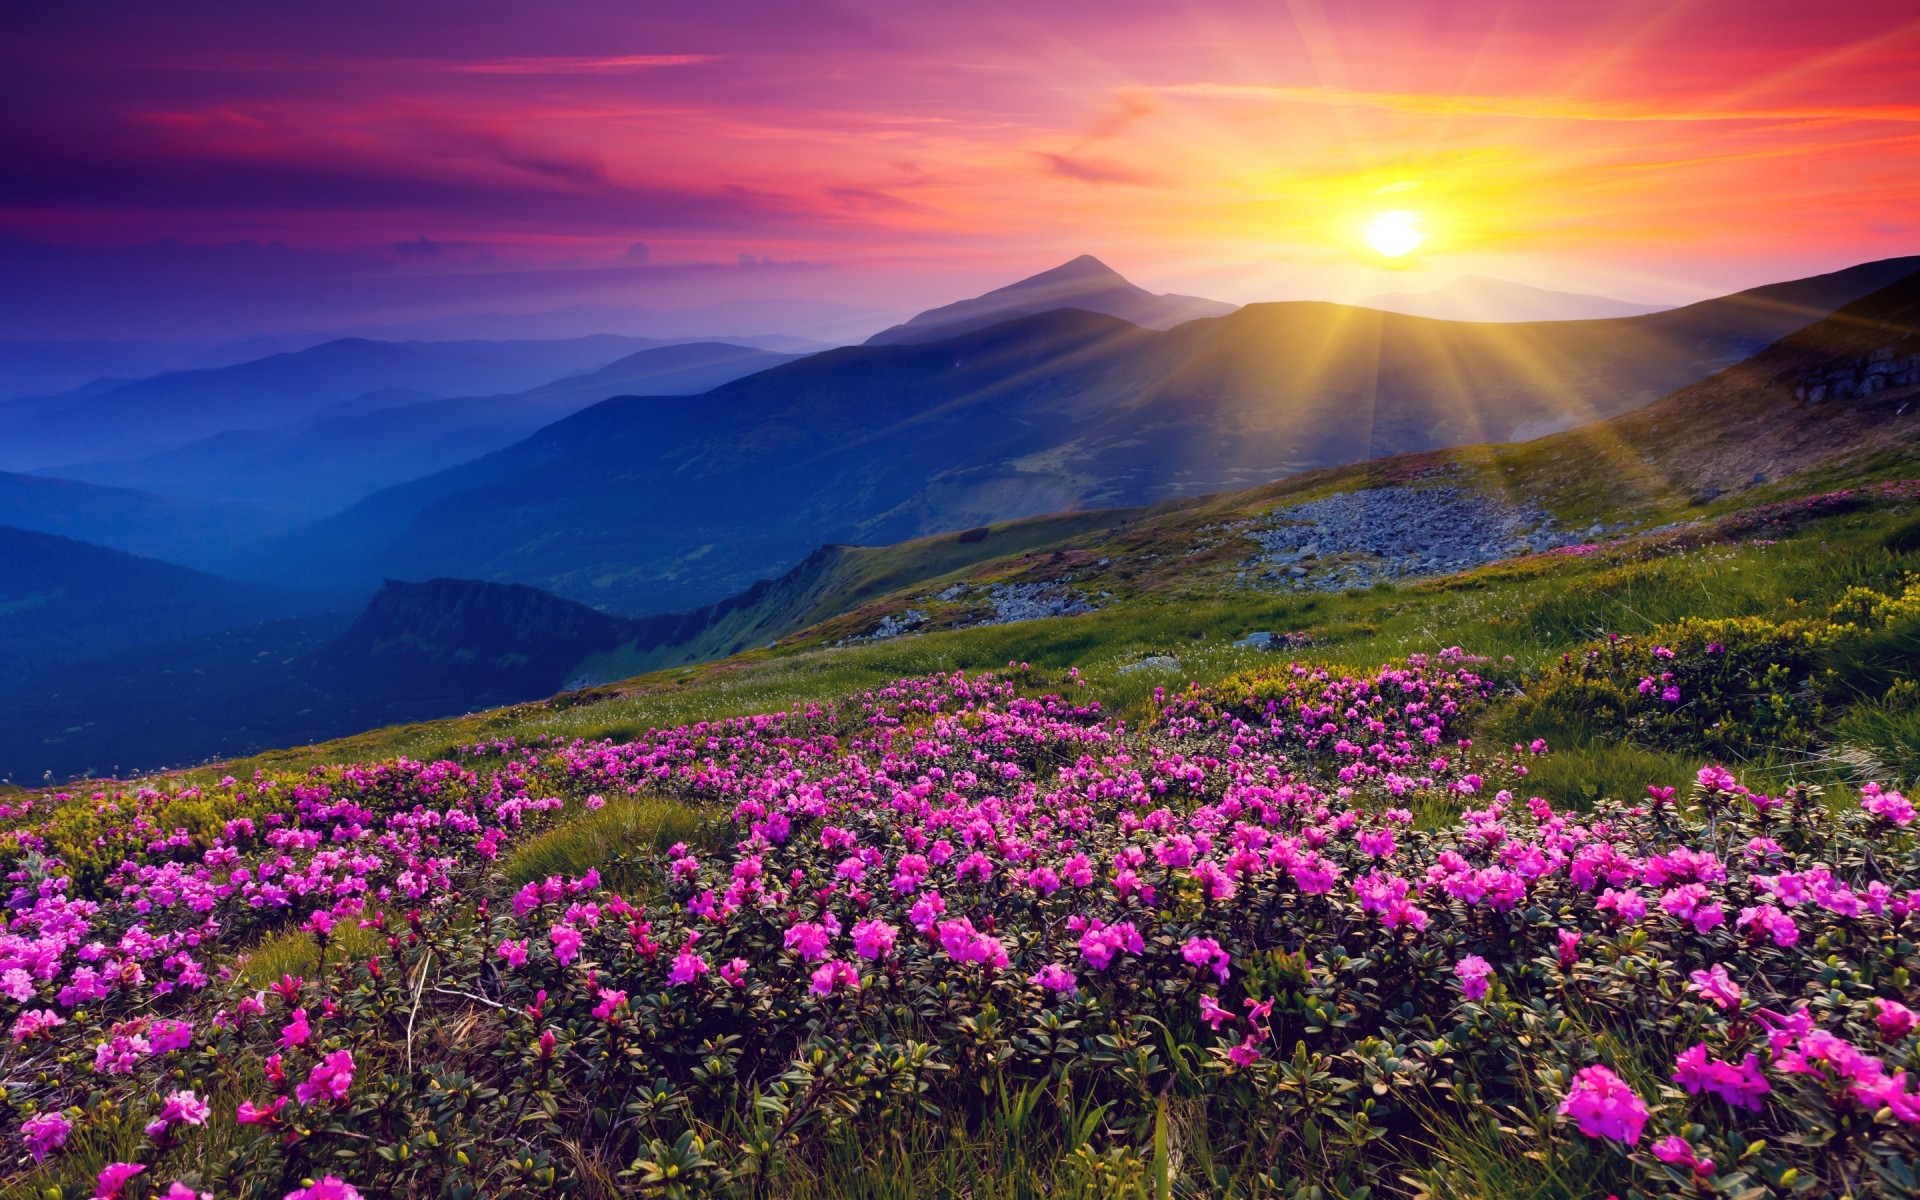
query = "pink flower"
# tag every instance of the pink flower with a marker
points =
(1717, 987)
(609, 1001)
(1101, 942)
(114, 1179)
(1375, 843)
(1206, 952)
(964, 943)
(181, 1108)
(1765, 918)
(44, 1133)
(514, 952)
(735, 972)
(1888, 806)
(809, 940)
(1246, 1053)
(329, 1188)
(297, 1031)
(329, 1080)
(1602, 1104)
(36, 1022)
(834, 973)
(168, 1036)
(874, 939)
(1214, 1015)
(1895, 1019)
(1740, 1086)
(1055, 977)
(687, 967)
(250, 1113)
(566, 943)
(1569, 949)
(180, 1191)
(1676, 1151)
(1473, 972)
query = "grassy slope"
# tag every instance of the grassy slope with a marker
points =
(1532, 609)
(1169, 573)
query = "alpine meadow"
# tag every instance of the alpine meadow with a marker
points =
(835, 601)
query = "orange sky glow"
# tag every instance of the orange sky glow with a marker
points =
(1653, 150)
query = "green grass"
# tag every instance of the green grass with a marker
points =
(1521, 614)
(611, 840)
(295, 952)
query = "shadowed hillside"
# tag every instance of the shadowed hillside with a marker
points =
(1085, 283)
(63, 601)
(638, 505)
(347, 451)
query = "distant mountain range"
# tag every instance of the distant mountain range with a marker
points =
(1478, 298)
(196, 533)
(1840, 390)
(166, 411)
(639, 506)
(415, 651)
(1084, 283)
(63, 601)
(346, 451)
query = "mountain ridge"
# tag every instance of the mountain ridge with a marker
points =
(1083, 283)
(636, 506)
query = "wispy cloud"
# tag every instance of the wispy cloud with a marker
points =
(1087, 170)
(565, 65)
(1542, 108)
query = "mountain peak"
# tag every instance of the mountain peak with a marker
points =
(1084, 283)
(1085, 267)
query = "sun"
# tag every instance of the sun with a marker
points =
(1393, 234)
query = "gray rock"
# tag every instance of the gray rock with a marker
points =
(1256, 641)
(1153, 662)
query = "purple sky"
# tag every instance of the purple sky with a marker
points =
(848, 162)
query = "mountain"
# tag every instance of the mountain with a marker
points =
(63, 601)
(420, 651)
(640, 506)
(1478, 298)
(1846, 385)
(204, 535)
(346, 451)
(173, 409)
(452, 645)
(1085, 283)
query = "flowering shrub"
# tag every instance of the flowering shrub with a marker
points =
(1302, 908)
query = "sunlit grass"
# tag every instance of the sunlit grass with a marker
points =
(612, 840)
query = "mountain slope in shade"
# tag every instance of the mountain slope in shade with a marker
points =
(451, 645)
(174, 409)
(63, 601)
(1085, 283)
(1478, 298)
(446, 646)
(638, 506)
(1846, 385)
(182, 531)
(419, 651)
(349, 450)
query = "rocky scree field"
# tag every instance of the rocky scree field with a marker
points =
(1309, 930)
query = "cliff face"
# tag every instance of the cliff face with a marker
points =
(469, 643)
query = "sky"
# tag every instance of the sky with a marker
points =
(211, 168)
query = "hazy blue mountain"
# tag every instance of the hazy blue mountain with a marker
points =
(346, 451)
(640, 505)
(1085, 283)
(1478, 298)
(63, 601)
(174, 409)
(204, 535)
